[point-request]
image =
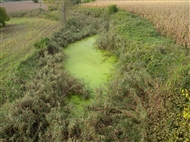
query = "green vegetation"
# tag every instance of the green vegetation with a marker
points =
(3, 17)
(18, 38)
(35, 1)
(36, 13)
(87, 1)
(146, 93)
(42, 43)
(144, 100)
(112, 9)
(40, 88)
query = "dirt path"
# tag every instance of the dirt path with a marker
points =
(26, 5)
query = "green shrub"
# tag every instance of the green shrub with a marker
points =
(85, 1)
(43, 42)
(52, 7)
(112, 9)
(35, 1)
(4, 17)
(52, 47)
(77, 1)
(26, 122)
(78, 27)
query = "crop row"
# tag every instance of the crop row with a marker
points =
(170, 18)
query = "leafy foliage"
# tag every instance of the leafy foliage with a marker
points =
(40, 89)
(79, 25)
(35, 1)
(3, 17)
(85, 1)
(144, 100)
(46, 91)
(41, 43)
(151, 93)
(112, 9)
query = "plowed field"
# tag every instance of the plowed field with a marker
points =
(16, 6)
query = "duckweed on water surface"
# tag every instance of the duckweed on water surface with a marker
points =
(88, 63)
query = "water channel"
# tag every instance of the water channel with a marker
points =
(92, 65)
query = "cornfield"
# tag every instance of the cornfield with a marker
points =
(171, 18)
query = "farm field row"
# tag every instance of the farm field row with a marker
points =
(18, 38)
(26, 5)
(171, 18)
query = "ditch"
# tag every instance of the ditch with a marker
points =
(92, 65)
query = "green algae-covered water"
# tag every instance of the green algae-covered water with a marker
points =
(92, 65)
(88, 63)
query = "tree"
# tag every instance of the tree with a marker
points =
(3, 17)
(62, 5)
(35, 1)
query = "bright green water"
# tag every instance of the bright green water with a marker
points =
(88, 63)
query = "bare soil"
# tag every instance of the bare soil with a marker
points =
(26, 5)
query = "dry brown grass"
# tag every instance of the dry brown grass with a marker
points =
(171, 18)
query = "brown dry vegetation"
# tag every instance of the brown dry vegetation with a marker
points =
(16, 6)
(171, 18)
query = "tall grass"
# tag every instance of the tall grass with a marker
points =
(169, 22)
(142, 101)
(38, 92)
(18, 39)
(147, 86)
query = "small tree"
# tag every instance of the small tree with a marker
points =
(112, 9)
(3, 17)
(35, 1)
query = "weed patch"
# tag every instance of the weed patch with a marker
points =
(144, 101)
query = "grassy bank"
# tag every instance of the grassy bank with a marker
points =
(36, 95)
(18, 38)
(144, 101)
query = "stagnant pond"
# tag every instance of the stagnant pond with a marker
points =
(92, 65)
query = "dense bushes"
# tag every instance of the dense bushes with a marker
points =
(4, 17)
(150, 78)
(87, 0)
(37, 105)
(144, 100)
(35, 1)
(80, 24)
(122, 115)
(45, 91)
(42, 43)
(112, 9)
